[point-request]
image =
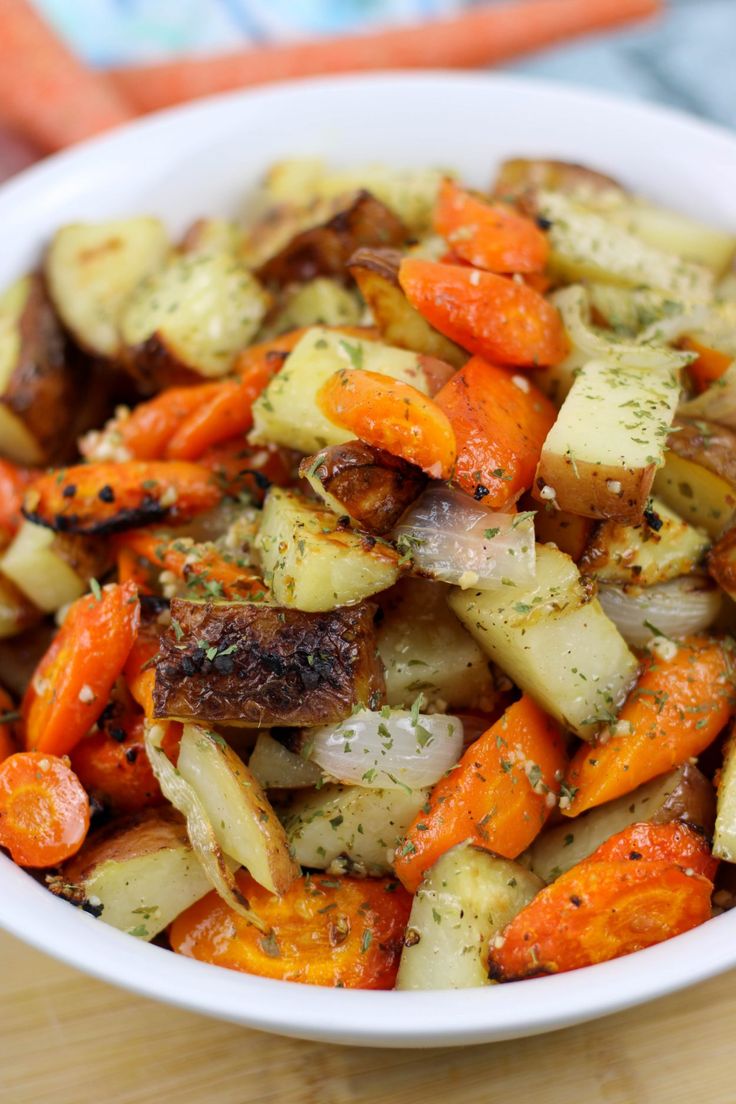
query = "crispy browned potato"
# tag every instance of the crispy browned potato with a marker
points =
(256, 665)
(376, 272)
(324, 250)
(41, 377)
(519, 180)
(370, 486)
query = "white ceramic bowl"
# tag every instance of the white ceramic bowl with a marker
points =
(202, 159)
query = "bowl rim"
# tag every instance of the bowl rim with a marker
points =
(367, 1018)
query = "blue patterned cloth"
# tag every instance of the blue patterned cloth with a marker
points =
(686, 59)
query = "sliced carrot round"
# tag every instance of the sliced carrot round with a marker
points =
(491, 236)
(336, 931)
(391, 415)
(44, 810)
(72, 683)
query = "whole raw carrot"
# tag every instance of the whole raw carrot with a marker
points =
(45, 92)
(484, 35)
(676, 710)
(499, 795)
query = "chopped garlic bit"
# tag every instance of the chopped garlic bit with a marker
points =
(547, 493)
(663, 648)
(522, 383)
(169, 497)
(86, 694)
(614, 486)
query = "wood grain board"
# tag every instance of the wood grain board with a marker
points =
(67, 1039)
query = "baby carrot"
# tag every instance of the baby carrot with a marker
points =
(492, 236)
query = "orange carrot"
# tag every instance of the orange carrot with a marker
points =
(391, 415)
(106, 498)
(241, 468)
(482, 36)
(499, 795)
(113, 767)
(500, 422)
(139, 672)
(674, 843)
(677, 709)
(492, 236)
(13, 483)
(144, 433)
(47, 93)
(494, 316)
(598, 911)
(72, 682)
(710, 365)
(226, 413)
(208, 572)
(335, 931)
(8, 717)
(44, 811)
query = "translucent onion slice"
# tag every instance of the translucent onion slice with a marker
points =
(454, 539)
(673, 609)
(199, 829)
(397, 749)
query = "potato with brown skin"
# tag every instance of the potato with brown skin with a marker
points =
(41, 377)
(519, 179)
(376, 272)
(324, 250)
(569, 532)
(256, 665)
(722, 562)
(370, 486)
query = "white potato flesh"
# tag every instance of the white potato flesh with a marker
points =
(275, 767)
(311, 563)
(93, 268)
(554, 640)
(601, 454)
(702, 497)
(32, 563)
(724, 837)
(464, 900)
(676, 233)
(204, 308)
(352, 823)
(288, 414)
(246, 826)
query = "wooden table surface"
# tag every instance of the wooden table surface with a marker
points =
(66, 1039)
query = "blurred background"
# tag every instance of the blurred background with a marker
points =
(73, 67)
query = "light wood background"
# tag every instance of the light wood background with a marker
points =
(66, 1039)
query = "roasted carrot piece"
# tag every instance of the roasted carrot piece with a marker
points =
(112, 764)
(139, 671)
(72, 683)
(149, 428)
(675, 843)
(44, 810)
(335, 931)
(13, 483)
(201, 566)
(499, 795)
(391, 415)
(677, 708)
(494, 316)
(710, 365)
(242, 468)
(107, 498)
(8, 717)
(500, 422)
(224, 414)
(492, 236)
(598, 911)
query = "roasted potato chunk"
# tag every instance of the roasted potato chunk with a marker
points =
(17, 613)
(92, 269)
(372, 487)
(52, 569)
(520, 178)
(376, 272)
(257, 665)
(698, 479)
(136, 874)
(324, 250)
(722, 562)
(40, 377)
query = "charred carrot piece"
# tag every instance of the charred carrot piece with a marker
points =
(44, 810)
(139, 669)
(391, 415)
(676, 710)
(500, 421)
(493, 316)
(710, 365)
(499, 795)
(113, 767)
(245, 469)
(491, 236)
(598, 911)
(336, 931)
(107, 498)
(72, 683)
(675, 843)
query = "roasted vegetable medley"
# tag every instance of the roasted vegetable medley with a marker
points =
(367, 576)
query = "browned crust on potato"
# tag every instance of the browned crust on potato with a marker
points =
(582, 488)
(711, 445)
(48, 379)
(569, 532)
(259, 665)
(152, 367)
(324, 250)
(693, 800)
(722, 562)
(373, 487)
(519, 179)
